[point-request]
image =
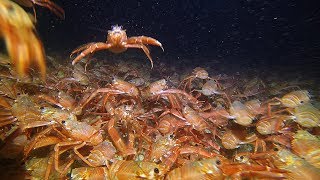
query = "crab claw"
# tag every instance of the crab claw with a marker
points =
(144, 40)
(23, 46)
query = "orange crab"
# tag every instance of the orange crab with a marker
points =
(23, 45)
(117, 42)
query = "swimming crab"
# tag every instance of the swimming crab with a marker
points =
(117, 42)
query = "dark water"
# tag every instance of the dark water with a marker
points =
(278, 32)
(278, 35)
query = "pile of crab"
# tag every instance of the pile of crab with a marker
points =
(118, 122)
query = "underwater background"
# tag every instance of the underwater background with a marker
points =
(262, 34)
(234, 95)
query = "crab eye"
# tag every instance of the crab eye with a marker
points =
(218, 162)
(156, 170)
(116, 28)
(241, 157)
(63, 122)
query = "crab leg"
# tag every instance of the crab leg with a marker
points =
(90, 48)
(4, 103)
(178, 91)
(117, 140)
(57, 10)
(36, 54)
(75, 149)
(144, 40)
(80, 48)
(144, 48)
(26, 3)
(7, 121)
(57, 153)
(101, 90)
